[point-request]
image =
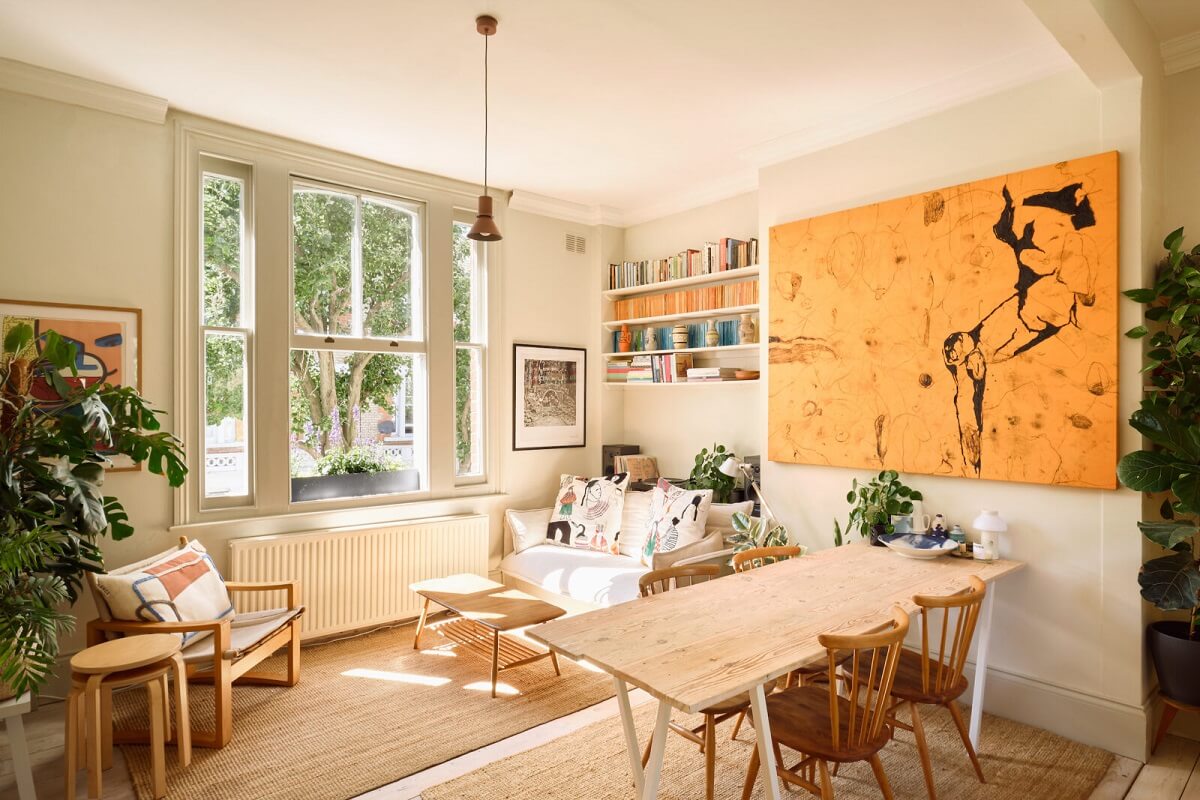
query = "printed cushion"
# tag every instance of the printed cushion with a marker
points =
(179, 586)
(635, 518)
(677, 518)
(587, 512)
(527, 528)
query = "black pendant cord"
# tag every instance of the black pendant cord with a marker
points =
(485, 114)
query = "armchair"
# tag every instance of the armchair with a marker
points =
(228, 655)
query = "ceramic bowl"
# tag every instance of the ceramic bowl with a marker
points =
(919, 545)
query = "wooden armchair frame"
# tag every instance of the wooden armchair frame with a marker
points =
(227, 667)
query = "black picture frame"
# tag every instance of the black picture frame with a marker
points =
(525, 437)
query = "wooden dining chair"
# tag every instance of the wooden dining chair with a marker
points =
(760, 556)
(705, 735)
(935, 677)
(825, 727)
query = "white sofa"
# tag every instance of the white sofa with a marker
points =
(582, 580)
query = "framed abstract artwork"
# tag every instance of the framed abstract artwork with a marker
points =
(969, 331)
(549, 396)
(108, 343)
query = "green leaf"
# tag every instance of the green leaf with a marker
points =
(1167, 534)
(1172, 582)
(18, 338)
(1187, 488)
(1157, 425)
(1174, 239)
(1137, 332)
(1141, 295)
(1147, 471)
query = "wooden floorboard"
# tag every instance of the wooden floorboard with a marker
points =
(1117, 782)
(1168, 771)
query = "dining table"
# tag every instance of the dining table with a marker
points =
(696, 646)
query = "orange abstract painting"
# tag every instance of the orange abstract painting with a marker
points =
(970, 331)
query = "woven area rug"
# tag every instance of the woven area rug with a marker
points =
(367, 711)
(1020, 763)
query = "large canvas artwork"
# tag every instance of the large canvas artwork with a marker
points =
(549, 396)
(970, 331)
(107, 342)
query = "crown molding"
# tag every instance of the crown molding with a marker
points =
(1181, 53)
(581, 213)
(17, 76)
(1018, 69)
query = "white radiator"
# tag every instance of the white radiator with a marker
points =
(358, 577)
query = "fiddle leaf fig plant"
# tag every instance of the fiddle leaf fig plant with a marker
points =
(1169, 419)
(873, 504)
(706, 473)
(53, 510)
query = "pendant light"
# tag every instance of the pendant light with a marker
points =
(484, 229)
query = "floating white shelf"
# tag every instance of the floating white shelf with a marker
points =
(679, 283)
(729, 348)
(679, 385)
(715, 313)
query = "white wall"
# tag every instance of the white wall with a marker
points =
(1181, 197)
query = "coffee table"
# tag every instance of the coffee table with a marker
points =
(486, 610)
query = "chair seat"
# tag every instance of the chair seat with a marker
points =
(908, 685)
(246, 631)
(800, 720)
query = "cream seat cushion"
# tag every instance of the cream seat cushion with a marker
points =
(246, 631)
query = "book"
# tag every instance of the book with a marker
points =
(640, 468)
(726, 253)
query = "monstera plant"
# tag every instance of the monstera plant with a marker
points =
(1169, 419)
(56, 434)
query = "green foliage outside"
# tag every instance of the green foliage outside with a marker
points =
(354, 461)
(1168, 419)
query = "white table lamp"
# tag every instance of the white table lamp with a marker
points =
(733, 467)
(990, 525)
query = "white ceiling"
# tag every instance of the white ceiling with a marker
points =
(1170, 19)
(644, 106)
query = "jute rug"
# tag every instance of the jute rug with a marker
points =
(1020, 763)
(367, 711)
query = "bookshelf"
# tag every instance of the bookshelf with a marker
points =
(722, 288)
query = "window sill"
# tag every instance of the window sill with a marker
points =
(481, 500)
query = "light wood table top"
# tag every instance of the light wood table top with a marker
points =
(697, 646)
(128, 653)
(491, 604)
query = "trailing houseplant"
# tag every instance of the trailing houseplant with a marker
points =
(706, 473)
(53, 510)
(873, 505)
(1169, 419)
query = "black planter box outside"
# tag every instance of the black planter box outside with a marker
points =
(1176, 659)
(361, 484)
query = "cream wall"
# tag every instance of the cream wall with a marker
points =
(1182, 154)
(87, 216)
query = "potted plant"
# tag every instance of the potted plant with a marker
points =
(355, 472)
(874, 504)
(1169, 419)
(54, 510)
(706, 473)
(750, 532)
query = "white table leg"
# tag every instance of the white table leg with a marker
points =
(981, 657)
(766, 753)
(658, 748)
(631, 737)
(20, 756)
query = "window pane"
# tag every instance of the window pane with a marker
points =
(468, 406)
(226, 469)
(465, 306)
(387, 245)
(357, 426)
(322, 241)
(222, 254)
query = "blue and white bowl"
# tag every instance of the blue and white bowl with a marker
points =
(920, 545)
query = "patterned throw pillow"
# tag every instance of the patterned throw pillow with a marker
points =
(677, 518)
(178, 586)
(587, 512)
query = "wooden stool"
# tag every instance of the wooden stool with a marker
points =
(98, 670)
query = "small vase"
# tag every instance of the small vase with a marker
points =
(747, 330)
(649, 340)
(624, 340)
(679, 337)
(712, 338)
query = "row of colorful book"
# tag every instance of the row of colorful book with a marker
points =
(725, 254)
(668, 368)
(660, 338)
(683, 301)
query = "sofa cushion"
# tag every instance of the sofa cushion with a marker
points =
(635, 522)
(713, 542)
(720, 515)
(677, 518)
(526, 528)
(587, 512)
(587, 576)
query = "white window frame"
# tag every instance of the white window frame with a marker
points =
(480, 330)
(272, 163)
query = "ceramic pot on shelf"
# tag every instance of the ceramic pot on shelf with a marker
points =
(624, 340)
(712, 338)
(747, 329)
(679, 336)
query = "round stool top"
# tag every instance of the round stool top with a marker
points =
(128, 653)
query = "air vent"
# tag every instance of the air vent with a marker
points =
(576, 243)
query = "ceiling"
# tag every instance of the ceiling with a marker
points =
(645, 107)
(1170, 19)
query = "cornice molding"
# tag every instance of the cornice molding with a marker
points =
(17, 76)
(1181, 53)
(581, 213)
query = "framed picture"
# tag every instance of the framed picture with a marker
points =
(549, 396)
(109, 342)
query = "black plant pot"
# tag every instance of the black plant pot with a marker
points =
(1176, 660)
(359, 484)
(877, 530)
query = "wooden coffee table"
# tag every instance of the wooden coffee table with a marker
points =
(486, 610)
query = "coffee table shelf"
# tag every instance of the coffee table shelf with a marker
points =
(510, 651)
